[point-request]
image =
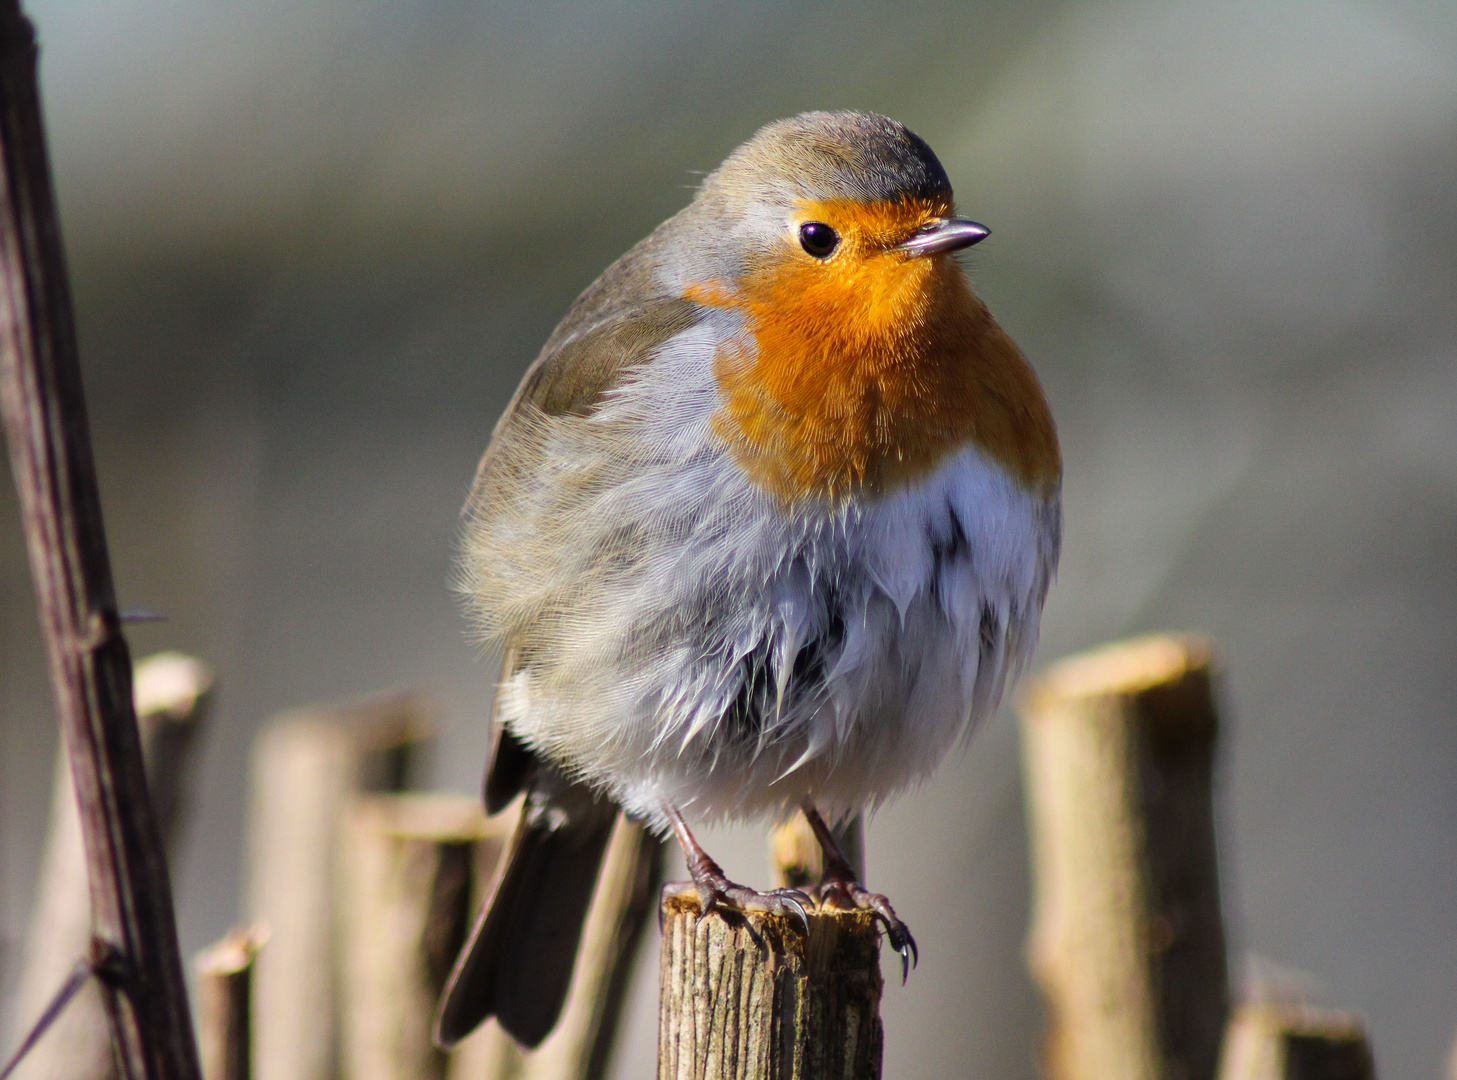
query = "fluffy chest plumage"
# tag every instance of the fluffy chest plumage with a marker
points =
(685, 636)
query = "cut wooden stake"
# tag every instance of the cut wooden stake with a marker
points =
(1127, 940)
(307, 767)
(171, 693)
(795, 859)
(754, 999)
(1283, 1042)
(55, 477)
(580, 1046)
(406, 881)
(224, 1004)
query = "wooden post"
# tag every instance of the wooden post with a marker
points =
(404, 906)
(307, 767)
(224, 1004)
(171, 693)
(1127, 940)
(795, 859)
(580, 1046)
(754, 999)
(1284, 1042)
(50, 455)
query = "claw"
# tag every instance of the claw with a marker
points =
(839, 889)
(792, 897)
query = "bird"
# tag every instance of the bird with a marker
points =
(766, 528)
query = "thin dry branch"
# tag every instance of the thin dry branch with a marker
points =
(50, 455)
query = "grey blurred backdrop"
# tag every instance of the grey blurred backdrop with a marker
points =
(315, 244)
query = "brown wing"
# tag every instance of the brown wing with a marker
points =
(517, 962)
(570, 377)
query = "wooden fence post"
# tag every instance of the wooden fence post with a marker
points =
(409, 863)
(307, 767)
(225, 1004)
(1285, 1042)
(1127, 939)
(795, 859)
(755, 999)
(581, 1044)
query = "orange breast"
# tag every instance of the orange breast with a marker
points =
(869, 368)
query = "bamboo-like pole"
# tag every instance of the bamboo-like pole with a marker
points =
(755, 999)
(225, 1004)
(1289, 1042)
(308, 765)
(1127, 939)
(171, 693)
(55, 476)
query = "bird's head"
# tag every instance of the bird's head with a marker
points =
(867, 357)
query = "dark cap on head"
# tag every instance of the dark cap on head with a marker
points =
(856, 155)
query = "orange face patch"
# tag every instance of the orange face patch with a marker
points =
(871, 366)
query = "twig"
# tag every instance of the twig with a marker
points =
(50, 454)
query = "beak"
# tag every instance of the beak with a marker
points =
(943, 235)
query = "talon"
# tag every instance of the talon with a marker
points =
(715, 890)
(793, 902)
(838, 888)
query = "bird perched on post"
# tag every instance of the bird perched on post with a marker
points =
(767, 526)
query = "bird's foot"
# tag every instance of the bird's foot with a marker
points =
(842, 891)
(715, 892)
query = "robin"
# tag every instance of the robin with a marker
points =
(767, 527)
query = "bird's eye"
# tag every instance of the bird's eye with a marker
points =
(818, 239)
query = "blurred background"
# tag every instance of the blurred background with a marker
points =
(315, 245)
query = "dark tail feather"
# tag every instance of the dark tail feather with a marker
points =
(517, 962)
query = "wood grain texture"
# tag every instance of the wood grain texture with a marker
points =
(1127, 938)
(1291, 1042)
(756, 1000)
(50, 456)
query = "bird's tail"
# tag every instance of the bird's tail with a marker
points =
(517, 963)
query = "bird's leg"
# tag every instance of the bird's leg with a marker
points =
(838, 888)
(715, 890)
